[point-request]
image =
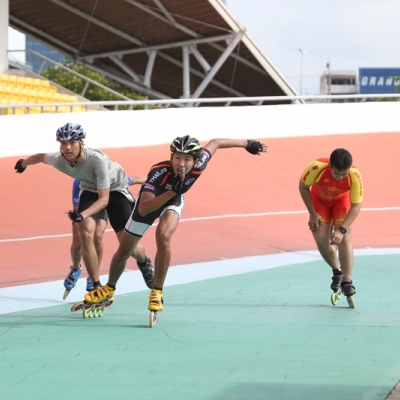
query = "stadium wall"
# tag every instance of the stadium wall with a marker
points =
(35, 133)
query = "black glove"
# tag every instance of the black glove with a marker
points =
(18, 167)
(74, 216)
(253, 147)
(177, 184)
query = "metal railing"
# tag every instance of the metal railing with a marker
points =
(225, 100)
(186, 102)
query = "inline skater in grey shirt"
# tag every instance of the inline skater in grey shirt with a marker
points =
(103, 185)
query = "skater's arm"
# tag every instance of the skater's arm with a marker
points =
(351, 216)
(136, 180)
(149, 202)
(250, 145)
(315, 219)
(35, 159)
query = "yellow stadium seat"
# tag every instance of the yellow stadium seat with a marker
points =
(43, 83)
(11, 80)
(20, 82)
(25, 95)
(35, 110)
(49, 109)
(78, 108)
(57, 97)
(28, 83)
(52, 89)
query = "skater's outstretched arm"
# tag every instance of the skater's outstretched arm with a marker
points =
(252, 146)
(21, 164)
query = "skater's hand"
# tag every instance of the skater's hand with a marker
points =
(18, 166)
(74, 216)
(177, 181)
(314, 222)
(254, 147)
(336, 237)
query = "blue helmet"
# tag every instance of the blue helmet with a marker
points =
(70, 131)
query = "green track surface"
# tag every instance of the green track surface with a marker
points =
(271, 334)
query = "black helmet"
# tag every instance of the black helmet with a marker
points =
(186, 145)
(70, 132)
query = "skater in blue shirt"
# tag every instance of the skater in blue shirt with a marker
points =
(75, 249)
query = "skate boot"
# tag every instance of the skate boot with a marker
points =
(335, 286)
(99, 295)
(156, 300)
(349, 291)
(336, 279)
(89, 285)
(71, 279)
(155, 305)
(147, 271)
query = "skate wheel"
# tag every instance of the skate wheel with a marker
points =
(101, 312)
(335, 297)
(66, 293)
(88, 312)
(152, 318)
(109, 302)
(350, 302)
(96, 312)
(77, 306)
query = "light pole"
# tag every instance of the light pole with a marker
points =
(302, 52)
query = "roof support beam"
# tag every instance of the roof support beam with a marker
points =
(150, 11)
(202, 75)
(161, 46)
(98, 22)
(32, 31)
(190, 32)
(202, 61)
(127, 69)
(186, 73)
(108, 71)
(149, 68)
(217, 65)
(164, 11)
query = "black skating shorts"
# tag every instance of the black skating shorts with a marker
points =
(119, 208)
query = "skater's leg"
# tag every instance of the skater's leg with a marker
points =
(165, 229)
(326, 249)
(101, 226)
(75, 248)
(346, 255)
(127, 245)
(86, 231)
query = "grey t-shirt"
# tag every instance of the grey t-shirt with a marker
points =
(96, 172)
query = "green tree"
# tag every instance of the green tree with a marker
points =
(397, 88)
(93, 93)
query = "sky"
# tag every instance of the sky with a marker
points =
(347, 34)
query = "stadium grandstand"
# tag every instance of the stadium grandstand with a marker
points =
(160, 49)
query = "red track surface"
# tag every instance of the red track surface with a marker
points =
(33, 204)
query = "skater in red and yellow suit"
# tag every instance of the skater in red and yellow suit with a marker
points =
(332, 190)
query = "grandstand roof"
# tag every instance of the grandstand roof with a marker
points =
(159, 48)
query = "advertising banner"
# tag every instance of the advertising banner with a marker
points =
(379, 80)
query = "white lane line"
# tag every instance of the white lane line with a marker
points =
(264, 214)
(28, 297)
